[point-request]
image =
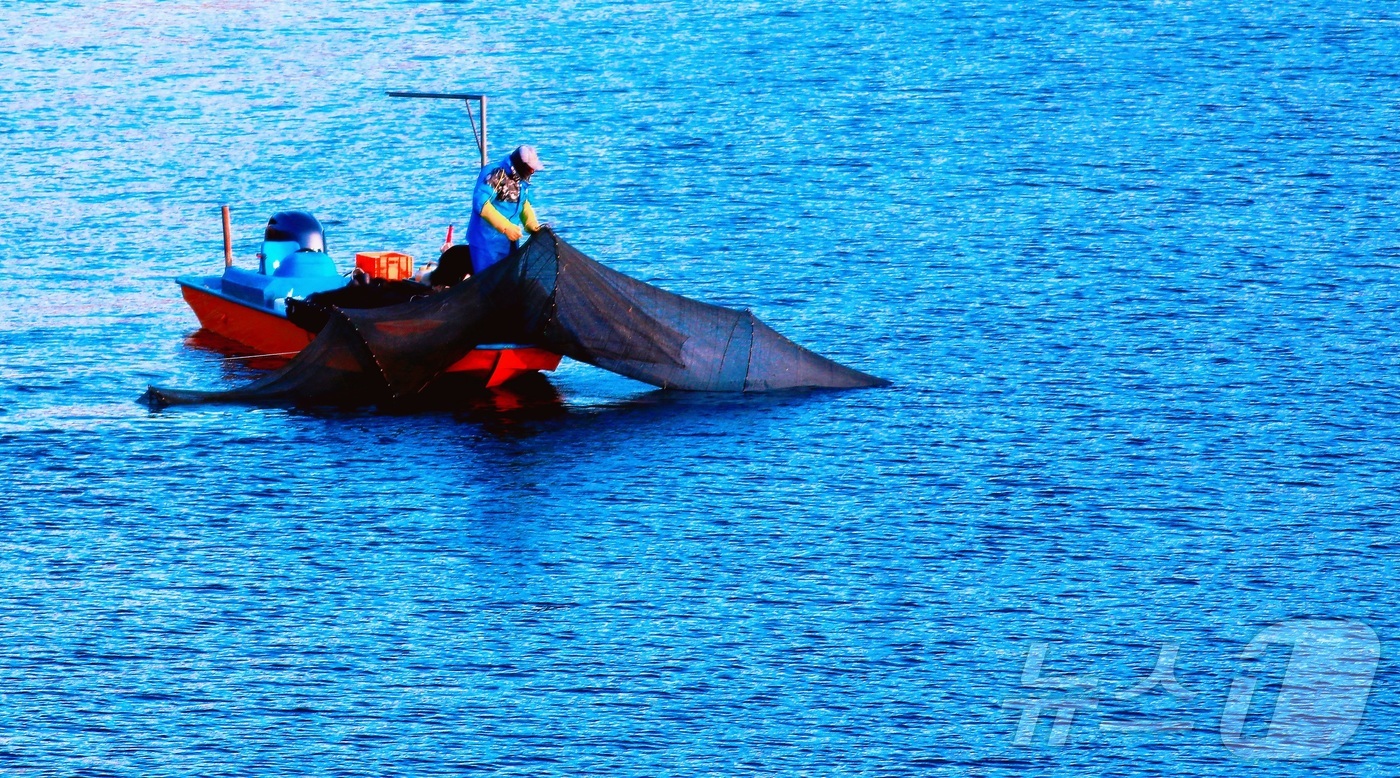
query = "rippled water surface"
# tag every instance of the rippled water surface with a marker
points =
(1131, 266)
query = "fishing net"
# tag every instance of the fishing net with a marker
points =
(546, 294)
(312, 313)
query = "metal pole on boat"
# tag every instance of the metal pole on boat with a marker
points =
(467, 98)
(228, 238)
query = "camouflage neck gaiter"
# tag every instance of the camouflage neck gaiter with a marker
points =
(506, 184)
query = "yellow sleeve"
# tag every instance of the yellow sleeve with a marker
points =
(532, 223)
(495, 219)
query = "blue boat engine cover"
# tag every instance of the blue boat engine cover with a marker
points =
(287, 233)
(293, 262)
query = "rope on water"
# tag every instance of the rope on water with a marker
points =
(262, 356)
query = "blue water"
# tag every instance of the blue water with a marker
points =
(1131, 266)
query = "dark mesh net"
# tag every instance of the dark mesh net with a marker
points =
(546, 294)
(337, 368)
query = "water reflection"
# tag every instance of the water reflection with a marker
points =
(236, 358)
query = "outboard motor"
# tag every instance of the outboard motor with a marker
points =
(293, 262)
(289, 232)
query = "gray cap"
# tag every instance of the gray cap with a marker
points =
(528, 156)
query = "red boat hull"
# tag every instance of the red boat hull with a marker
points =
(271, 334)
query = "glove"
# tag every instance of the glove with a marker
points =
(501, 223)
(532, 222)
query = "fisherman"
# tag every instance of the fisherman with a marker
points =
(501, 209)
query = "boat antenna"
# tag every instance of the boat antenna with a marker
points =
(465, 98)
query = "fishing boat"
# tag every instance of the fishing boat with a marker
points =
(545, 293)
(250, 307)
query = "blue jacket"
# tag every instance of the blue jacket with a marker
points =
(488, 244)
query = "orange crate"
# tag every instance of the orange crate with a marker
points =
(388, 265)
